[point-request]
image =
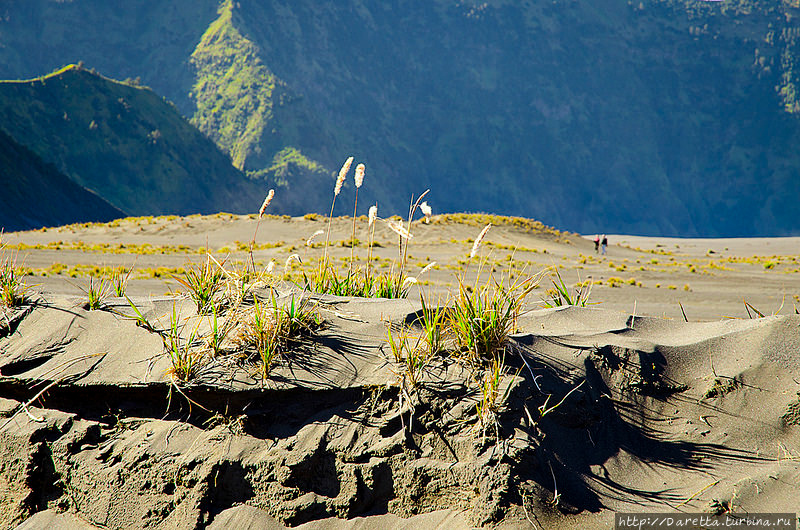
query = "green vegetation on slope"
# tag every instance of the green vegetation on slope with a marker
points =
(123, 142)
(35, 194)
(253, 116)
(234, 91)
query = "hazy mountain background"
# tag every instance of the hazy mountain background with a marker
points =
(674, 117)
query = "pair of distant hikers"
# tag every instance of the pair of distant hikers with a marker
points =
(598, 242)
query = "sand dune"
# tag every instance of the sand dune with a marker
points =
(601, 409)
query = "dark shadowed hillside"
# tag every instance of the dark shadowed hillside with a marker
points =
(653, 117)
(35, 194)
(123, 142)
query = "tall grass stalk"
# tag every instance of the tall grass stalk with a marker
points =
(267, 200)
(359, 179)
(336, 190)
(404, 248)
(373, 216)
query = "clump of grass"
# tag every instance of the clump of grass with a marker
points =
(186, 363)
(435, 331)
(271, 331)
(97, 292)
(203, 282)
(482, 318)
(257, 334)
(13, 290)
(411, 358)
(119, 281)
(721, 387)
(561, 295)
(217, 334)
(491, 400)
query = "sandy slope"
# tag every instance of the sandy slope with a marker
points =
(665, 414)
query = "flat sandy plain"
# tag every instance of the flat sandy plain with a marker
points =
(677, 385)
(711, 278)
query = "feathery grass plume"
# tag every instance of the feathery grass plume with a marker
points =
(267, 200)
(426, 268)
(411, 280)
(408, 282)
(336, 190)
(479, 240)
(289, 260)
(426, 211)
(315, 234)
(359, 179)
(270, 266)
(342, 175)
(373, 215)
(398, 229)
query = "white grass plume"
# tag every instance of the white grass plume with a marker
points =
(479, 240)
(342, 175)
(315, 234)
(373, 215)
(359, 178)
(399, 229)
(266, 202)
(426, 211)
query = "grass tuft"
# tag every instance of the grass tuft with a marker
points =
(203, 282)
(96, 293)
(271, 331)
(482, 318)
(186, 363)
(560, 294)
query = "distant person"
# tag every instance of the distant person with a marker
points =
(597, 244)
(604, 243)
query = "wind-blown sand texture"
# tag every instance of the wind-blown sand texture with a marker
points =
(658, 414)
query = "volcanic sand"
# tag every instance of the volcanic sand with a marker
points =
(677, 396)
